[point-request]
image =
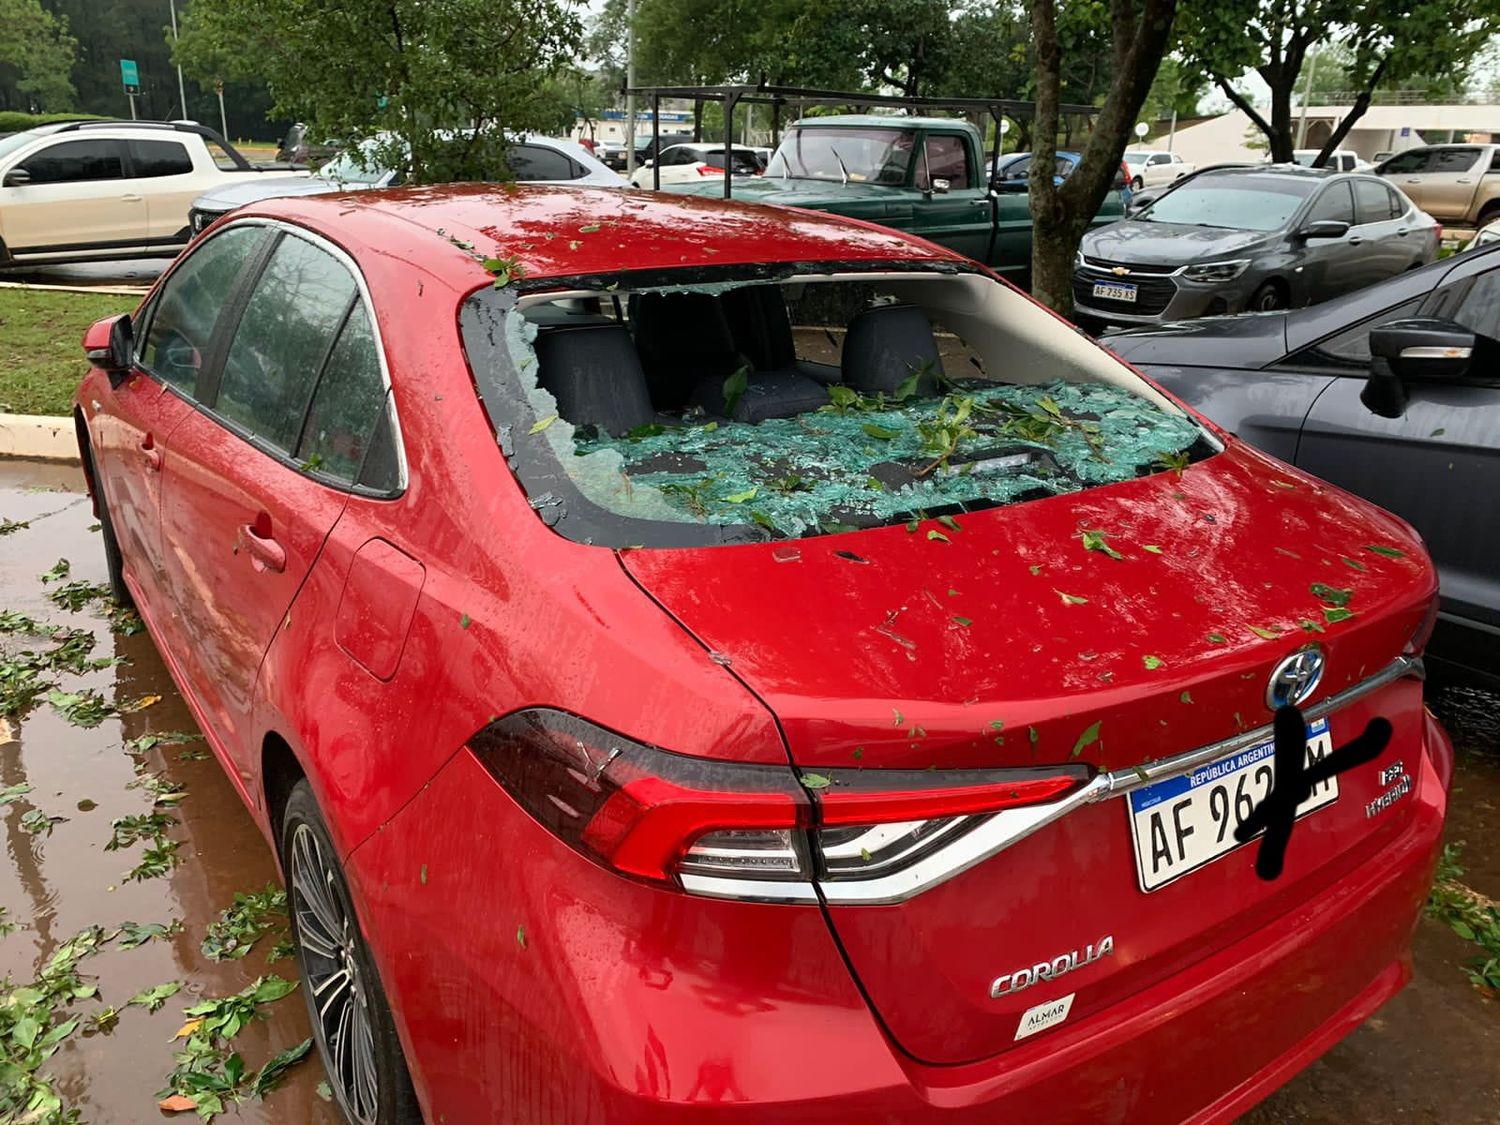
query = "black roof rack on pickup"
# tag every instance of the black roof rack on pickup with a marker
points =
(86, 123)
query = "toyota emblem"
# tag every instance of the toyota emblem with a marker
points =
(1295, 678)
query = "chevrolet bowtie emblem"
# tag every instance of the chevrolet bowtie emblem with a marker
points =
(1119, 271)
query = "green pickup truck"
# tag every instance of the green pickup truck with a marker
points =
(923, 175)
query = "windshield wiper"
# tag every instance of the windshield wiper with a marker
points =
(840, 159)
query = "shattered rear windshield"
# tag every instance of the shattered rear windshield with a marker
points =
(741, 405)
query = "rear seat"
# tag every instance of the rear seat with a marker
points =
(595, 374)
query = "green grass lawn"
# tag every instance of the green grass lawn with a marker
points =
(41, 355)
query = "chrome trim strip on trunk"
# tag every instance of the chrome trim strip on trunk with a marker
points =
(1003, 829)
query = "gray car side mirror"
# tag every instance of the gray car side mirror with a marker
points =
(1324, 228)
(17, 177)
(1414, 348)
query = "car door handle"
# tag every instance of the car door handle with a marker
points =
(1356, 242)
(1465, 180)
(131, 198)
(265, 552)
(1404, 231)
(151, 453)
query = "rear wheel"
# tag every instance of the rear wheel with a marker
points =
(1267, 298)
(1137, 183)
(350, 1017)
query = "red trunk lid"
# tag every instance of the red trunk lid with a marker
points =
(1007, 642)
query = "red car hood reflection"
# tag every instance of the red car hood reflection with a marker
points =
(1006, 641)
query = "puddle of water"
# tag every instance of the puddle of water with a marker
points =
(61, 883)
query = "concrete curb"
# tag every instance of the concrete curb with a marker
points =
(107, 290)
(36, 437)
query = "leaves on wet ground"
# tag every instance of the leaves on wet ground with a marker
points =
(40, 823)
(240, 925)
(85, 708)
(208, 1072)
(1470, 915)
(154, 997)
(145, 742)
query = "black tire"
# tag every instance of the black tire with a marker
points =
(113, 560)
(357, 1037)
(1490, 213)
(1137, 184)
(1267, 298)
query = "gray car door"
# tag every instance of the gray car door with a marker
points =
(1390, 245)
(1438, 465)
(1333, 265)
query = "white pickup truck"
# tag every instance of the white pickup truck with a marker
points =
(100, 190)
(1152, 169)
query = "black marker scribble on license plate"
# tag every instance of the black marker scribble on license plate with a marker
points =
(1276, 812)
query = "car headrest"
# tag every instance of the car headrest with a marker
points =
(681, 324)
(596, 377)
(885, 345)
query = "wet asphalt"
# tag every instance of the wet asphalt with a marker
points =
(1430, 1055)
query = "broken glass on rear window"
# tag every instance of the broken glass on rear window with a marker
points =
(721, 408)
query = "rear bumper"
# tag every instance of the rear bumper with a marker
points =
(531, 986)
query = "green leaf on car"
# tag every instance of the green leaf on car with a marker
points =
(1336, 613)
(880, 433)
(1095, 541)
(1152, 663)
(542, 423)
(1333, 595)
(1388, 552)
(816, 781)
(1089, 736)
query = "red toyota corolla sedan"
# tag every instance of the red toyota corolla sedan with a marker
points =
(701, 662)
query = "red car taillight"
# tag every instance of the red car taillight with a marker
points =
(709, 170)
(739, 830)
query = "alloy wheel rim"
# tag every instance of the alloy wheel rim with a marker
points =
(337, 993)
(1269, 301)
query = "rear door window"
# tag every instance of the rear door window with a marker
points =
(159, 158)
(68, 162)
(1374, 202)
(181, 323)
(1455, 160)
(1479, 311)
(346, 417)
(281, 342)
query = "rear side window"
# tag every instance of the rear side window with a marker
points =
(1374, 202)
(537, 162)
(1495, 160)
(177, 336)
(1455, 160)
(76, 161)
(741, 163)
(282, 340)
(347, 409)
(159, 158)
(1334, 202)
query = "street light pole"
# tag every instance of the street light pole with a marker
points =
(630, 85)
(181, 89)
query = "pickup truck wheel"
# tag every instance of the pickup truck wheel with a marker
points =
(1489, 214)
(1137, 183)
(1268, 297)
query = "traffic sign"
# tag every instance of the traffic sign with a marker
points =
(130, 76)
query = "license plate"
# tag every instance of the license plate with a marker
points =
(1115, 290)
(1187, 822)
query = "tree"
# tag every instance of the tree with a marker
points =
(1140, 33)
(36, 54)
(437, 85)
(1386, 42)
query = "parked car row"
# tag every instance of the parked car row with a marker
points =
(586, 814)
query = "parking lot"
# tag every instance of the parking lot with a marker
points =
(1431, 1055)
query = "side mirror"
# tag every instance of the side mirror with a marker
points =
(1416, 348)
(1324, 228)
(941, 186)
(17, 177)
(109, 345)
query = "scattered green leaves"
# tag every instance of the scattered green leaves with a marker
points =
(816, 781)
(1089, 736)
(154, 997)
(1152, 663)
(1095, 541)
(1388, 552)
(240, 925)
(1071, 599)
(1333, 595)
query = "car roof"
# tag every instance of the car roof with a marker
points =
(557, 231)
(886, 120)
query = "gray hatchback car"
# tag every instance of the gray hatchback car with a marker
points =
(1250, 240)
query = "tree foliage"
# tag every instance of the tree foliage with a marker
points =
(438, 86)
(36, 57)
(1383, 43)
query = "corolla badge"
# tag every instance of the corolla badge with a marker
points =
(1295, 678)
(1058, 966)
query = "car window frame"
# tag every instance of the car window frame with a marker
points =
(223, 335)
(132, 172)
(1325, 192)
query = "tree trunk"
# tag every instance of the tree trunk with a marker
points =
(1281, 137)
(1356, 111)
(1060, 214)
